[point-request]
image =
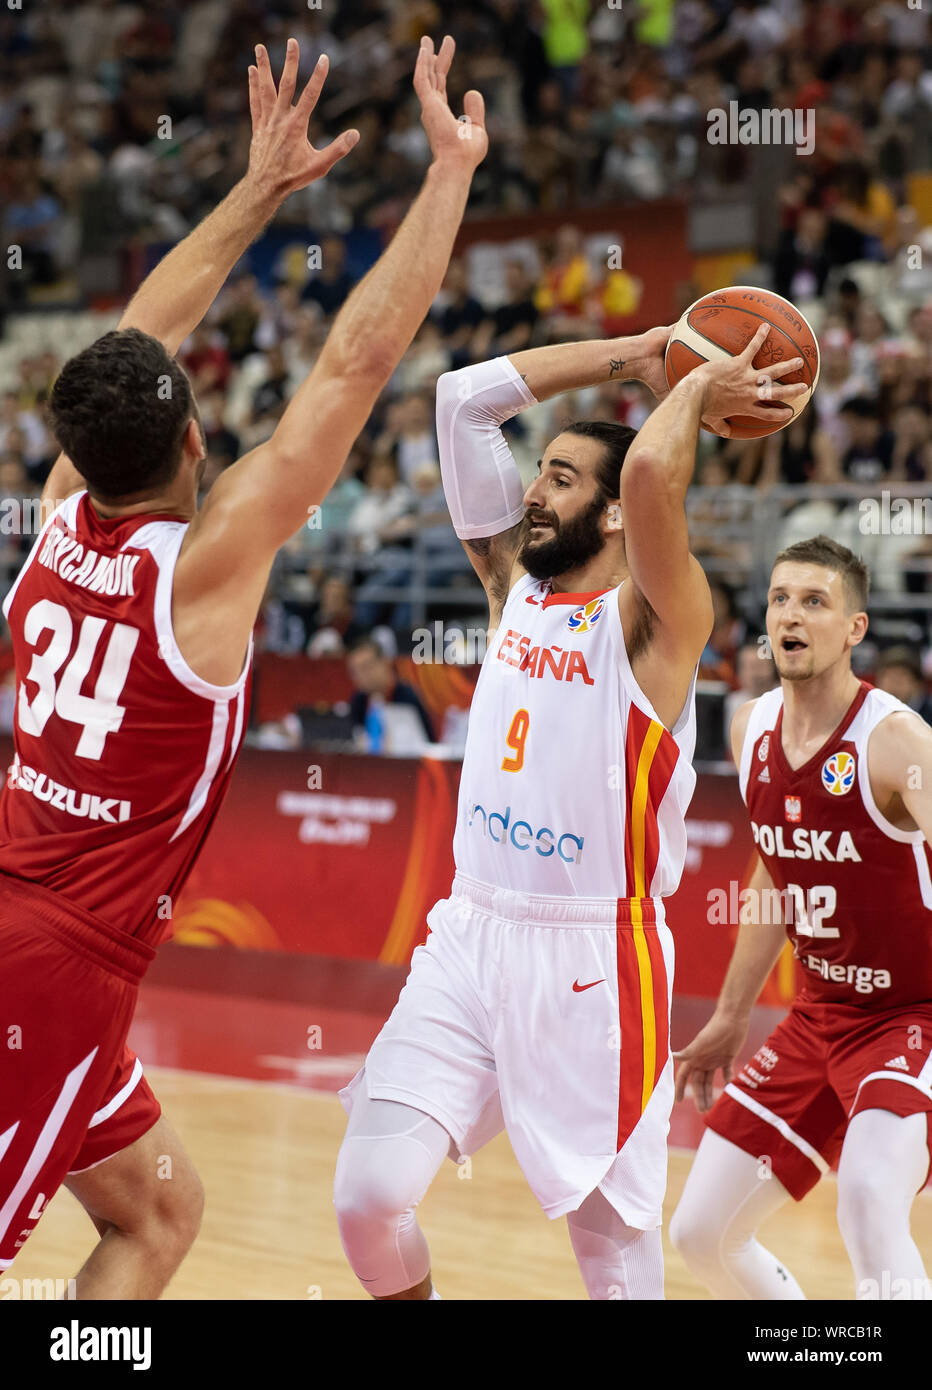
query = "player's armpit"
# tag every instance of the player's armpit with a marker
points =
(494, 560)
(899, 762)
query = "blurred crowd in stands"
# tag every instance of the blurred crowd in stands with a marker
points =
(587, 104)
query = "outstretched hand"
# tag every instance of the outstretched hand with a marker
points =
(280, 155)
(462, 141)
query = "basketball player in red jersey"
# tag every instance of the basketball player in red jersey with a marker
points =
(837, 778)
(131, 624)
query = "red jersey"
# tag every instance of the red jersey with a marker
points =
(123, 755)
(857, 891)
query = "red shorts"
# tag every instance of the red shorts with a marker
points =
(823, 1064)
(68, 986)
(128, 1109)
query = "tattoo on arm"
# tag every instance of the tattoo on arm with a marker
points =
(499, 553)
(615, 364)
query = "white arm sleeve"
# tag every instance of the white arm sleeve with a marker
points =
(481, 481)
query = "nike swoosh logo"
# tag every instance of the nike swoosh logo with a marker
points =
(578, 988)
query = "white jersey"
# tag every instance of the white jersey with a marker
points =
(571, 785)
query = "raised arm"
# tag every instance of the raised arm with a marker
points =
(175, 296)
(483, 488)
(657, 472)
(265, 497)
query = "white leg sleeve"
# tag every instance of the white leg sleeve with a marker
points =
(883, 1164)
(388, 1158)
(615, 1260)
(723, 1203)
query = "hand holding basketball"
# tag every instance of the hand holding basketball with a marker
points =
(730, 324)
(734, 386)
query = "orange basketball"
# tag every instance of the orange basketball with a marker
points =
(723, 323)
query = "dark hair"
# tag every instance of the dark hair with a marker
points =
(616, 440)
(899, 656)
(863, 407)
(366, 643)
(119, 410)
(822, 550)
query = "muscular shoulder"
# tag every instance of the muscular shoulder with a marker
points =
(900, 741)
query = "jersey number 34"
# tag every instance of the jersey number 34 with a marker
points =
(99, 714)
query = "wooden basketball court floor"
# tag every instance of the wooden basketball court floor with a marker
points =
(224, 1040)
(266, 1155)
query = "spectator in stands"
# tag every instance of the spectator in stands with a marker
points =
(565, 282)
(717, 662)
(384, 500)
(755, 673)
(23, 430)
(31, 222)
(461, 313)
(329, 286)
(426, 359)
(270, 396)
(899, 673)
(279, 317)
(376, 682)
(509, 327)
(566, 41)
(206, 362)
(334, 626)
(868, 452)
(323, 533)
(911, 460)
(801, 263)
(239, 318)
(838, 383)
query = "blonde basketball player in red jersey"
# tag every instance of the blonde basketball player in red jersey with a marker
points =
(837, 777)
(540, 1000)
(131, 624)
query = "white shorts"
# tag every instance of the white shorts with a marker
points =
(549, 1017)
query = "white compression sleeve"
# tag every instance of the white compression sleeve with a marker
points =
(388, 1159)
(884, 1161)
(725, 1200)
(615, 1260)
(481, 481)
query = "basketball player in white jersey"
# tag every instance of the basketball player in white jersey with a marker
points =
(541, 999)
(143, 454)
(837, 778)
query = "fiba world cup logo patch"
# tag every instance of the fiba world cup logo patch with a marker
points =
(585, 618)
(838, 773)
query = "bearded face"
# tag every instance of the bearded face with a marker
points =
(553, 546)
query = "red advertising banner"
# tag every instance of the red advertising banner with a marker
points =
(345, 857)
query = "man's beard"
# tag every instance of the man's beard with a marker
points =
(572, 544)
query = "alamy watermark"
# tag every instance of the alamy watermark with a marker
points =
(895, 516)
(771, 126)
